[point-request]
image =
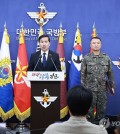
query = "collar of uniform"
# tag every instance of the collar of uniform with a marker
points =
(100, 55)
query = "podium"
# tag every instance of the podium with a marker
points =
(45, 99)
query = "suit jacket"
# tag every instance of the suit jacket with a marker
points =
(36, 64)
(75, 125)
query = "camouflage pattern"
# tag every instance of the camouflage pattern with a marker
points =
(99, 101)
(95, 69)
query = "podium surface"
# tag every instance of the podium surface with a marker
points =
(45, 99)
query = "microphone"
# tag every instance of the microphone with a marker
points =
(53, 62)
(40, 56)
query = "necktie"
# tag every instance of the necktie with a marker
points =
(44, 59)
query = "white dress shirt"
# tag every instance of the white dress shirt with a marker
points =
(45, 55)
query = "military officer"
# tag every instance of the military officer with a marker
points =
(95, 70)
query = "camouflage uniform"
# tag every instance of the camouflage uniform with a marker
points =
(94, 72)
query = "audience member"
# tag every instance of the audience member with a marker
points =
(79, 101)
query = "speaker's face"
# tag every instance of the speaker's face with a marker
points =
(44, 44)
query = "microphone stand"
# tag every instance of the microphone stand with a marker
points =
(37, 62)
(53, 62)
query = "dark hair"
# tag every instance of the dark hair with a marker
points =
(42, 36)
(79, 100)
(95, 38)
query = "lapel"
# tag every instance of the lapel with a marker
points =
(40, 64)
(39, 54)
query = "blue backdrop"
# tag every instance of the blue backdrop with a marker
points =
(105, 14)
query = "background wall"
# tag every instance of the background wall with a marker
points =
(105, 14)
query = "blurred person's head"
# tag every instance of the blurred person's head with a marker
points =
(79, 100)
(117, 130)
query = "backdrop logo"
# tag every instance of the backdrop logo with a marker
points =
(117, 63)
(46, 99)
(42, 17)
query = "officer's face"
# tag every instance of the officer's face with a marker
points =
(44, 44)
(95, 44)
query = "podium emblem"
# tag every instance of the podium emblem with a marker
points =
(46, 99)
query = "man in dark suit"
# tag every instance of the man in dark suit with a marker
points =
(45, 59)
